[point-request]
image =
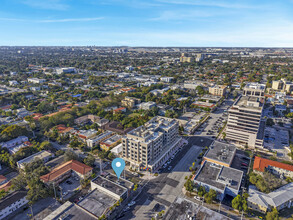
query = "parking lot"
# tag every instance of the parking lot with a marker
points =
(216, 121)
(68, 186)
(277, 140)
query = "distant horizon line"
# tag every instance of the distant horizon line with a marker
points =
(267, 47)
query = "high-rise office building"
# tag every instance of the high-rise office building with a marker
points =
(245, 124)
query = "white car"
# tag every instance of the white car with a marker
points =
(131, 203)
(126, 209)
(197, 198)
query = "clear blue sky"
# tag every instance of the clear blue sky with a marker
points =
(263, 23)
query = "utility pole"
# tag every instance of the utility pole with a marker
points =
(54, 191)
(220, 207)
(242, 215)
(61, 192)
(101, 168)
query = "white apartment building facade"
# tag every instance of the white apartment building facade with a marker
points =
(149, 146)
(36, 80)
(12, 202)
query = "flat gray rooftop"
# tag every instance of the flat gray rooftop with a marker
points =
(109, 185)
(221, 152)
(97, 202)
(208, 175)
(249, 102)
(76, 213)
(122, 181)
(219, 176)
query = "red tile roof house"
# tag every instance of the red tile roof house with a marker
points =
(65, 170)
(121, 109)
(275, 167)
(63, 130)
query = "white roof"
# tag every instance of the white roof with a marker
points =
(275, 198)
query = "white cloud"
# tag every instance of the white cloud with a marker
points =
(70, 20)
(53, 20)
(46, 4)
(184, 15)
(213, 3)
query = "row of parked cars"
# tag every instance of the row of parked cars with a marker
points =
(169, 161)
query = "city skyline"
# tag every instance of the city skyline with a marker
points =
(147, 23)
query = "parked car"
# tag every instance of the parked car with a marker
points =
(131, 203)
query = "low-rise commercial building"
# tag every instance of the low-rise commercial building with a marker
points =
(224, 180)
(108, 184)
(220, 153)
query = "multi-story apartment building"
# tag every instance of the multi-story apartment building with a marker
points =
(218, 90)
(42, 155)
(280, 169)
(245, 125)
(36, 80)
(185, 58)
(151, 145)
(12, 202)
(130, 102)
(282, 85)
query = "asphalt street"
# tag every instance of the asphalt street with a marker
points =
(168, 185)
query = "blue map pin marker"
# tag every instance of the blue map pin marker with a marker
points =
(118, 165)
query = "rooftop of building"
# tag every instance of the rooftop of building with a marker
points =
(151, 130)
(221, 152)
(70, 211)
(97, 202)
(257, 86)
(39, 155)
(12, 198)
(249, 102)
(183, 207)
(219, 176)
(111, 140)
(219, 86)
(274, 199)
(116, 127)
(123, 182)
(260, 164)
(101, 136)
(109, 185)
